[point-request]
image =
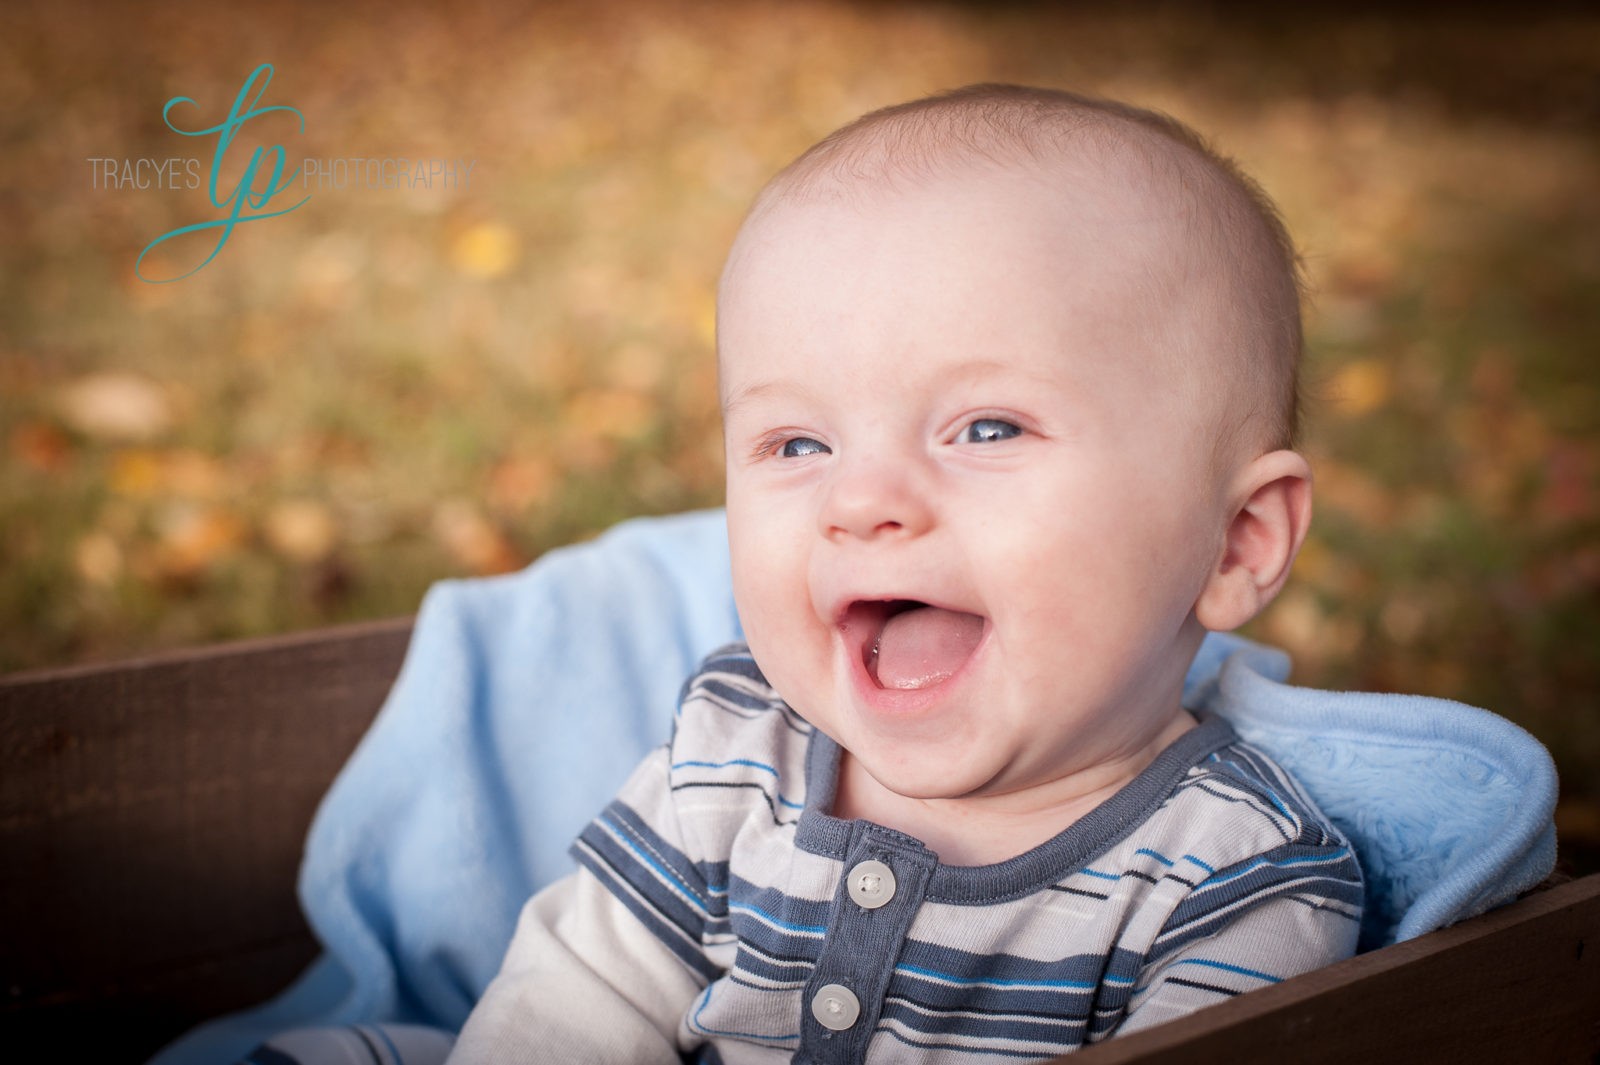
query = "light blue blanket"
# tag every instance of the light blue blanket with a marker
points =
(525, 700)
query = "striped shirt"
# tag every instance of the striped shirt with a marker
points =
(721, 914)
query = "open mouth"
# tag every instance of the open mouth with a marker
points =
(907, 644)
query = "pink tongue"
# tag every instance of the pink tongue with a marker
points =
(921, 647)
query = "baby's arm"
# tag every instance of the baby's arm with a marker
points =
(585, 978)
(583, 981)
(1297, 917)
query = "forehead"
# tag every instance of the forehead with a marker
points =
(988, 257)
(972, 205)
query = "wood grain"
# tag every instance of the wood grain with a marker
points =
(152, 817)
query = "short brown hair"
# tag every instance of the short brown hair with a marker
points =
(1002, 123)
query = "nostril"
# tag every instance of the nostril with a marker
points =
(864, 530)
(871, 505)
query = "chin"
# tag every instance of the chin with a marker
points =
(922, 782)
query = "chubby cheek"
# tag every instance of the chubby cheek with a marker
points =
(757, 568)
(772, 594)
(1094, 582)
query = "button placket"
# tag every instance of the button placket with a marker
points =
(884, 877)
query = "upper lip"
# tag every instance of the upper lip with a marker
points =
(846, 607)
(864, 619)
(860, 617)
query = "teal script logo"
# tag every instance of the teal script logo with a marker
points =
(248, 202)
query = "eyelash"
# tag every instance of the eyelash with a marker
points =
(782, 446)
(1011, 431)
(777, 445)
(773, 445)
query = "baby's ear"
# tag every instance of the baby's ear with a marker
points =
(1272, 511)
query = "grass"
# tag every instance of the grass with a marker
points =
(389, 387)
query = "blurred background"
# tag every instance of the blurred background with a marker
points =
(386, 387)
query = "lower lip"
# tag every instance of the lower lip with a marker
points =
(909, 701)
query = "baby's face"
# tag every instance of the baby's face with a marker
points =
(969, 489)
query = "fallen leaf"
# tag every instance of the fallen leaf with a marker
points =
(301, 529)
(98, 559)
(183, 473)
(1360, 387)
(136, 472)
(487, 250)
(115, 406)
(473, 540)
(193, 537)
(41, 446)
(1569, 484)
(519, 482)
(326, 274)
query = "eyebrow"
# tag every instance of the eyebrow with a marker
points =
(762, 389)
(973, 370)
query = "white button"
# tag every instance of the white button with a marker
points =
(835, 1007)
(871, 884)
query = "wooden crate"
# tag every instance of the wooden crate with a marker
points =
(152, 815)
(152, 818)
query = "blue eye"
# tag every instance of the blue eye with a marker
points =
(987, 431)
(800, 446)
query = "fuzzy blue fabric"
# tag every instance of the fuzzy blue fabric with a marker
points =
(1450, 808)
(525, 700)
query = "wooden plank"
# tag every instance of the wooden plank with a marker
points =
(1519, 984)
(127, 1021)
(153, 814)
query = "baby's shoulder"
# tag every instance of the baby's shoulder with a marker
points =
(1236, 804)
(735, 741)
(727, 679)
(1251, 776)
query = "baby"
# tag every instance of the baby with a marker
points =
(1008, 380)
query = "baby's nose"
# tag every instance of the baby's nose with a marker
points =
(874, 500)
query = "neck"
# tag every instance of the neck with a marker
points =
(992, 826)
